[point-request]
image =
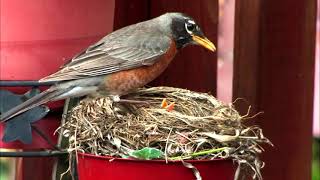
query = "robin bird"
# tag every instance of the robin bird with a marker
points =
(120, 62)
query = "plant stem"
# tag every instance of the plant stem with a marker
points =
(205, 152)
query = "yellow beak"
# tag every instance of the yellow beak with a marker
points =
(204, 42)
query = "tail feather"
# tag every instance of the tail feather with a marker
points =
(37, 100)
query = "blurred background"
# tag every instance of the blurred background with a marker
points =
(225, 71)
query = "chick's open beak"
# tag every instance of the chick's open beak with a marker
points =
(205, 42)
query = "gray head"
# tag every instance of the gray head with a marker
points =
(184, 30)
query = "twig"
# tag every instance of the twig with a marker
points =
(167, 142)
(211, 151)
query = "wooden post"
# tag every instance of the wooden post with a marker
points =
(246, 52)
(274, 71)
(130, 12)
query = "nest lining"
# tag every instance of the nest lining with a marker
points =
(198, 127)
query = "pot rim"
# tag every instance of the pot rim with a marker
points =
(81, 154)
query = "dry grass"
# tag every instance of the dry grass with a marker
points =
(199, 127)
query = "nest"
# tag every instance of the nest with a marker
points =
(197, 127)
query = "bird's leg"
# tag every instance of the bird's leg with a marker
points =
(117, 99)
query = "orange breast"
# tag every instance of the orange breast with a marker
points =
(122, 82)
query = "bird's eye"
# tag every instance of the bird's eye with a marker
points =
(190, 27)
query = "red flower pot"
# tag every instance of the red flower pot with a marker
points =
(91, 167)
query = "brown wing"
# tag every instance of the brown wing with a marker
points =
(124, 49)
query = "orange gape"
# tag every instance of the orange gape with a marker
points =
(124, 81)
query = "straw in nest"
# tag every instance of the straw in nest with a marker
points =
(198, 127)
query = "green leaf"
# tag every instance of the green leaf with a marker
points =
(147, 153)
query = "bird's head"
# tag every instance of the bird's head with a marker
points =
(185, 30)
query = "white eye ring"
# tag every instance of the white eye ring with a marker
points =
(189, 24)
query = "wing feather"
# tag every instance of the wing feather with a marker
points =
(114, 53)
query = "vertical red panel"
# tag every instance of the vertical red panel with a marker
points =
(130, 12)
(36, 168)
(246, 53)
(283, 45)
(286, 86)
